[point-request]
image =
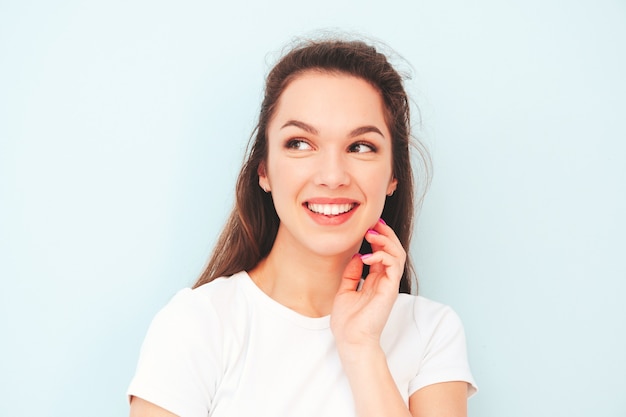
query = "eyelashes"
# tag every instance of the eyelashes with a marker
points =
(299, 144)
(362, 147)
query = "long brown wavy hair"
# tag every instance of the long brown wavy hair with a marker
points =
(251, 229)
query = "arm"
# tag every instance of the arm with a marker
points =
(373, 388)
(445, 399)
(179, 359)
(142, 408)
(376, 394)
(357, 321)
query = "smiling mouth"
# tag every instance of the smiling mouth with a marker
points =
(330, 209)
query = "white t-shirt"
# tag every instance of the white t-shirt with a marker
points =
(226, 349)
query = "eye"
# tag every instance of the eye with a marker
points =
(298, 145)
(362, 147)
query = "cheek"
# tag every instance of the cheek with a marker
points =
(378, 181)
(285, 176)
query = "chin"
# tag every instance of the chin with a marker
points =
(332, 248)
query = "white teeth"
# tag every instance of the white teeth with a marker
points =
(330, 209)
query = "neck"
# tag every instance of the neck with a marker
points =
(301, 280)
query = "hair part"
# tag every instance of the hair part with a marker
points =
(251, 228)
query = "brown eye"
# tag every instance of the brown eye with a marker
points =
(298, 145)
(362, 147)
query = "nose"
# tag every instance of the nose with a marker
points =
(332, 170)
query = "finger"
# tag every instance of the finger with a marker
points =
(383, 258)
(380, 242)
(382, 228)
(384, 264)
(391, 264)
(351, 275)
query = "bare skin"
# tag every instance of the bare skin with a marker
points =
(357, 320)
(142, 408)
(329, 146)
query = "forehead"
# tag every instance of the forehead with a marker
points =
(330, 98)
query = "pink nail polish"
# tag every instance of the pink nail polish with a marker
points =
(374, 232)
(382, 221)
(365, 256)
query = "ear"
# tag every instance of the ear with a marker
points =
(263, 180)
(392, 186)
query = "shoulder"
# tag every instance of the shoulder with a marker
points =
(437, 336)
(429, 326)
(423, 314)
(194, 316)
(205, 300)
(181, 356)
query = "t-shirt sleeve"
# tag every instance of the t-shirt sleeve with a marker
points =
(445, 354)
(179, 362)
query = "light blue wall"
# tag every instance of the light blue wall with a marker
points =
(123, 124)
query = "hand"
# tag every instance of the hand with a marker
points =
(358, 317)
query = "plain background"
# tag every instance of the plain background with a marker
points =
(123, 125)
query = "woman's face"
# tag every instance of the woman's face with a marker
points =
(329, 164)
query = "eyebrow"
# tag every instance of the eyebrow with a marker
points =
(306, 127)
(310, 129)
(365, 129)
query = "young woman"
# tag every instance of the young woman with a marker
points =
(303, 309)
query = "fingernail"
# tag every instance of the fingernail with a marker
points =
(367, 255)
(382, 221)
(374, 232)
